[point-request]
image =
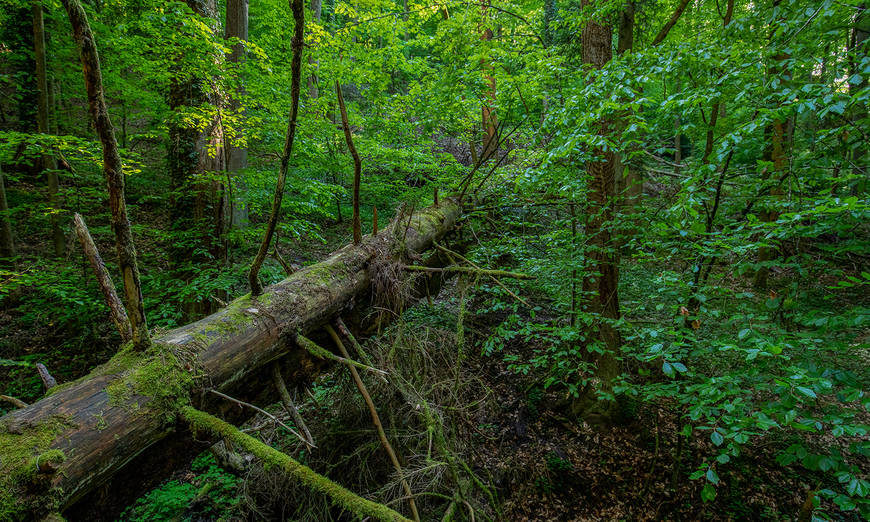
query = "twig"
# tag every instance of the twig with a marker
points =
(359, 349)
(499, 283)
(278, 380)
(264, 412)
(318, 351)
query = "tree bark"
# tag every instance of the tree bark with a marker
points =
(602, 254)
(48, 162)
(237, 157)
(107, 287)
(357, 164)
(196, 205)
(112, 169)
(775, 154)
(489, 117)
(103, 422)
(295, 80)
(7, 245)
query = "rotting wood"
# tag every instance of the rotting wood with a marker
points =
(111, 418)
(48, 381)
(119, 316)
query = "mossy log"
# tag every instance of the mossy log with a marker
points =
(117, 426)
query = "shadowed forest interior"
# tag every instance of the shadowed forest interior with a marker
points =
(498, 260)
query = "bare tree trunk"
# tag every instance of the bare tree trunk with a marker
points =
(629, 178)
(113, 170)
(316, 8)
(602, 254)
(7, 245)
(295, 80)
(775, 154)
(237, 157)
(48, 162)
(196, 203)
(357, 165)
(858, 48)
(489, 117)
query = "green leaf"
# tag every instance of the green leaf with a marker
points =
(712, 476)
(708, 493)
(807, 391)
(717, 438)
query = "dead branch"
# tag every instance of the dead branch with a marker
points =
(110, 295)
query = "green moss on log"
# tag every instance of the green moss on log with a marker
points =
(21, 448)
(203, 422)
(158, 376)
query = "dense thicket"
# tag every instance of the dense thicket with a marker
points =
(665, 225)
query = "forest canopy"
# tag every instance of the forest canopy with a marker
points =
(459, 260)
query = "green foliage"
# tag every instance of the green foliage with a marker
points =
(212, 494)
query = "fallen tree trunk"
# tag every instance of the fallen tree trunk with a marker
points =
(125, 411)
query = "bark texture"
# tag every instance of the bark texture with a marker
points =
(112, 169)
(602, 265)
(120, 419)
(237, 156)
(357, 164)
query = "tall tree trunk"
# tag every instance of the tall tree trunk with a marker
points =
(313, 92)
(113, 170)
(860, 34)
(629, 178)
(602, 276)
(295, 81)
(489, 118)
(7, 245)
(774, 153)
(48, 163)
(237, 157)
(195, 204)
